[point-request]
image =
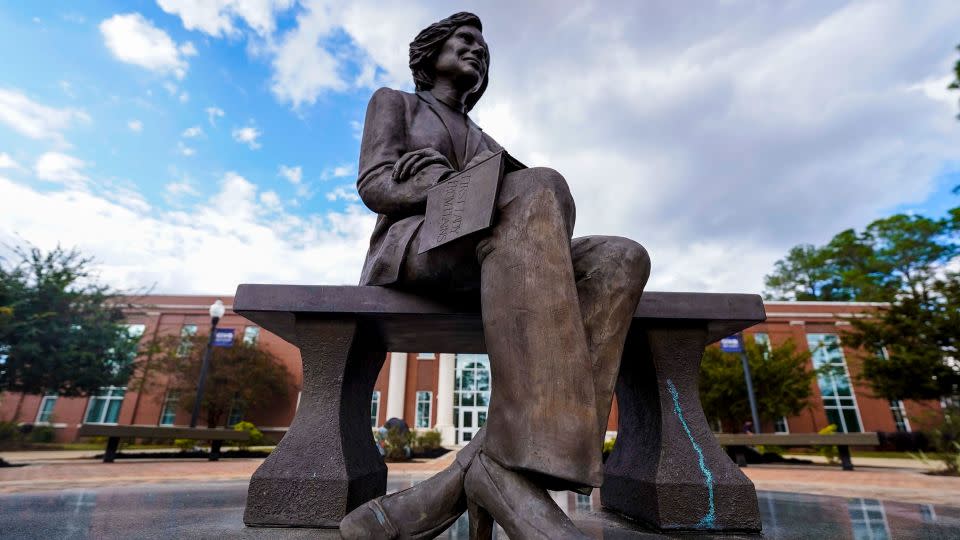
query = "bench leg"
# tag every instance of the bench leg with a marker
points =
(215, 450)
(845, 460)
(327, 464)
(111, 452)
(666, 468)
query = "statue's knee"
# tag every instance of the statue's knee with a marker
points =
(636, 260)
(547, 184)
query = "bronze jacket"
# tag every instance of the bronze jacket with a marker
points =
(396, 123)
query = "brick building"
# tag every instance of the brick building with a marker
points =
(449, 391)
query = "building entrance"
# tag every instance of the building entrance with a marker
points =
(471, 395)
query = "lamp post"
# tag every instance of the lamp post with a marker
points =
(216, 311)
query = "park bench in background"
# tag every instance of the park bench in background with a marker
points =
(843, 442)
(666, 468)
(216, 436)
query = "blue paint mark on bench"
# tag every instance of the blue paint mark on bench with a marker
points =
(708, 520)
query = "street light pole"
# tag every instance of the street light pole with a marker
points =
(216, 311)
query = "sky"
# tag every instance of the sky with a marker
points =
(192, 146)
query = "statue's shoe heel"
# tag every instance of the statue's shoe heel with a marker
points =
(481, 522)
(368, 521)
(522, 508)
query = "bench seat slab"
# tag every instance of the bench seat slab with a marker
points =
(666, 468)
(327, 464)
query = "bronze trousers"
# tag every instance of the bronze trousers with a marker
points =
(556, 313)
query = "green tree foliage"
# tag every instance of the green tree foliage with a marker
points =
(781, 381)
(909, 348)
(60, 330)
(244, 375)
(894, 256)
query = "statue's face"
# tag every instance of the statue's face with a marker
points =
(463, 58)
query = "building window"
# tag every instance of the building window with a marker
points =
(424, 402)
(471, 395)
(834, 380)
(762, 339)
(374, 408)
(781, 425)
(899, 416)
(251, 335)
(45, 412)
(425, 356)
(168, 415)
(104, 408)
(187, 332)
(135, 331)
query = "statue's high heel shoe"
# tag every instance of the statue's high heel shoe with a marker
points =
(522, 508)
(419, 512)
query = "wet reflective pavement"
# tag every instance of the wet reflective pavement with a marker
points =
(215, 510)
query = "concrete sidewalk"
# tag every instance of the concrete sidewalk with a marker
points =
(903, 483)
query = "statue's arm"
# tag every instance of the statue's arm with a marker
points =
(383, 144)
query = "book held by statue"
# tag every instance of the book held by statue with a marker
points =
(465, 202)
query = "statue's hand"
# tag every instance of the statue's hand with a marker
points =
(413, 162)
(478, 158)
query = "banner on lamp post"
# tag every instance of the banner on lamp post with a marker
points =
(223, 337)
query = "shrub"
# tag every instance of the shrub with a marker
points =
(256, 436)
(42, 434)
(9, 432)
(829, 452)
(397, 444)
(428, 440)
(184, 444)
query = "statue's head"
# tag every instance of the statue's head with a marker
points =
(452, 47)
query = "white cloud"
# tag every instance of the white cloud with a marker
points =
(271, 201)
(293, 174)
(135, 40)
(193, 131)
(210, 248)
(170, 88)
(181, 188)
(135, 126)
(339, 171)
(35, 120)
(184, 149)
(184, 97)
(217, 17)
(302, 66)
(7, 162)
(247, 135)
(61, 168)
(213, 113)
(345, 192)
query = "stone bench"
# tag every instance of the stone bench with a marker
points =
(115, 433)
(843, 442)
(666, 468)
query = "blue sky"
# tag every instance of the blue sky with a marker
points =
(193, 146)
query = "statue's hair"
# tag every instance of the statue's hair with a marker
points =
(425, 48)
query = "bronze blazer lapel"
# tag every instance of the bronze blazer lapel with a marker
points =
(431, 102)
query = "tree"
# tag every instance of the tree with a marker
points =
(243, 375)
(60, 330)
(910, 349)
(781, 382)
(894, 256)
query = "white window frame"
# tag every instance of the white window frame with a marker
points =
(251, 335)
(426, 356)
(172, 399)
(897, 406)
(424, 397)
(43, 401)
(187, 331)
(763, 342)
(374, 408)
(783, 421)
(835, 398)
(106, 393)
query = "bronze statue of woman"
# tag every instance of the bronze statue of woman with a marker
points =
(555, 310)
